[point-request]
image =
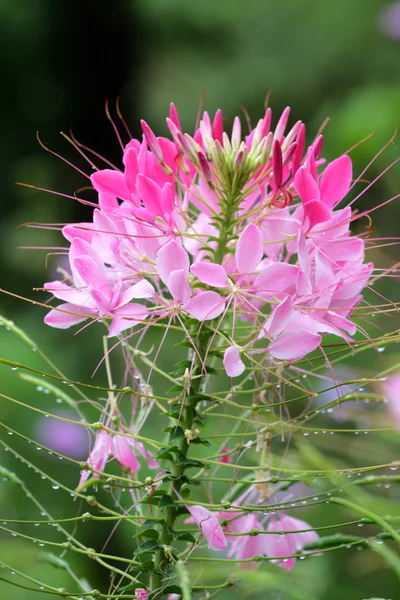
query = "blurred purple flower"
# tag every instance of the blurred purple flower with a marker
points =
(389, 20)
(62, 437)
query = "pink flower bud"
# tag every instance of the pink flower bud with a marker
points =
(227, 459)
(281, 126)
(173, 115)
(277, 164)
(152, 141)
(217, 126)
(141, 594)
(298, 155)
(204, 167)
(236, 133)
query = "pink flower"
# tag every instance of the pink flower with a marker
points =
(122, 451)
(227, 459)
(141, 594)
(319, 197)
(102, 449)
(278, 545)
(210, 526)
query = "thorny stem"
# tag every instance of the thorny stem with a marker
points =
(229, 207)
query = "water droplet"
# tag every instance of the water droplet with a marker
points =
(14, 368)
(55, 487)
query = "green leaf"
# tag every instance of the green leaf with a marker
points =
(175, 388)
(53, 560)
(186, 537)
(176, 433)
(150, 533)
(146, 547)
(166, 501)
(173, 589)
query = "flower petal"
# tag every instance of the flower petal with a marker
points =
(205, 306)
(249, 249)
(171, 257)
(122, 452)
(336, 180)
(305, 185)
(234, 366)
(294, 345)
(178, 286)
(109, 181)
(210, 526)
(210, 273)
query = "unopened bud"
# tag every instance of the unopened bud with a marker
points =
(317, 145)
(298, 155)
(217, 126)
(173, 115)
(291, 136)
(186, 145)
(189, 435)
(277, 164)
(281, 126)
(204, 167)
(258, 134)
(236, 133)
(152, 141)
(288, 154)
(238, 160)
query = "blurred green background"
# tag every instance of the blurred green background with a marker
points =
(61, 60)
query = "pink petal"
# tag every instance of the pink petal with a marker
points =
(178, 286)
(336, 180)
(111, 182)
(294, 345)
(287, 523)
(171, 257)
(277, 277)
(305, 185)
(210, 273)
(65, 292)
(101, 450)
(131, 169)
(210, 526)
(167, 198)
(316, 212)
(127, 316)
(279, 317)
(122, 452)
(234, 366)
(66, 315)
(150, 194)
(205, 306)
(141, 289)
(249, 249)
(92, 274)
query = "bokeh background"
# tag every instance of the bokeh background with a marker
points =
(61, 60)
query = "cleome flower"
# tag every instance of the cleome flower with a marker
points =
(224, 229)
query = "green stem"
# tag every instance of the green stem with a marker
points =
(371, 515)
(166, 537)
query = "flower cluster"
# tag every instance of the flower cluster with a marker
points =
(284, 536)
(223, 229)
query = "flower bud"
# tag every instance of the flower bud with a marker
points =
(152, 141)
